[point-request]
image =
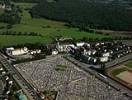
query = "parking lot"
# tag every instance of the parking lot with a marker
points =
(70, 83)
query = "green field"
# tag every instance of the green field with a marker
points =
(118, 71)
(129, 64)
(60, 68)
(9, 40)
(49, 29)
(1, 11)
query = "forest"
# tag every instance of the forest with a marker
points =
(89, 14)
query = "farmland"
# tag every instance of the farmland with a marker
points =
(47, 28)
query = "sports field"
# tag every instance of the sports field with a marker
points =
(129, 64)
(124, 77)
(49, 29)
(122, 74)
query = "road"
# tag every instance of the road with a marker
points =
(119, 60)
(107, 80)
(33, 95)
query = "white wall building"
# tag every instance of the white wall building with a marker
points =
(35, 52)
(2, 6)
(107, 54)
(16, 52)
(104, 59)
(54, 52)
(64, 47)
(80, 44)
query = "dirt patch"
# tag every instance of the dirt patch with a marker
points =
(121, 74)
(126, 76)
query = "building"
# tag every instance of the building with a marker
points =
(2, 6)
(5, 6)
(104, 59)
(64, 47)
(32, 52)
(54, 52)
(16, 52)
(107, 54)
(81, 44)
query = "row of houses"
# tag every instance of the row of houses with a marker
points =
(7, 83)
(92, 53)
(101, 52)
(21, 51)
(63, 45)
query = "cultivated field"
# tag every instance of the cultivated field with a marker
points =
(49, 29)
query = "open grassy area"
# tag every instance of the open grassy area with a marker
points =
(118, 71)
(50, 95)
(121, 74)
(60, 68)
(9, 40)
(49, 29)
(129, 64)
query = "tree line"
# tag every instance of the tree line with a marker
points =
(92, 14)
(20, 33)
(11, 15)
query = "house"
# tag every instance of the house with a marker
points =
(2, 6)
(35, 52)
(64, 44)
(89, 60)
(89, 52)
(5, 6)
(64, 47)
(81, 44)
(104, 59)
(54, 52)
(107, 54)
(16, 52)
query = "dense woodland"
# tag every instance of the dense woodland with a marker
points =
(11, 13)
(11, 16)
(95, 14)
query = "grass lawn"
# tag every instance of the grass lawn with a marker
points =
(129, 64)
(118, 71)
(1, 11)
(49, 29)
(9, 40)
(50, 95)
(60, 68)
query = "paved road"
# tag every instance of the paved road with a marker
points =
(17, 76)
(107, 80)
(119, 60)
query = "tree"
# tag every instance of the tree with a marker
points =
(103, 66)
(87, 14)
